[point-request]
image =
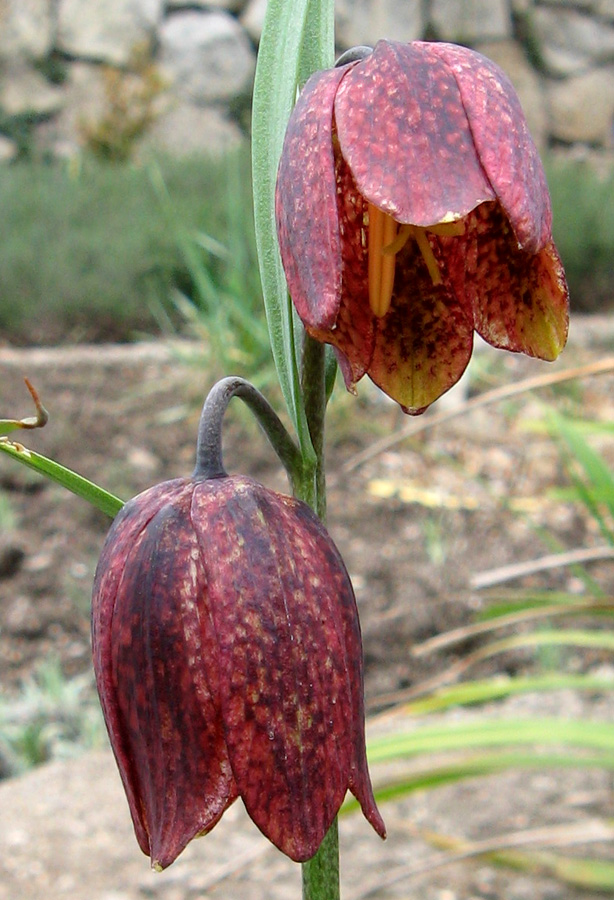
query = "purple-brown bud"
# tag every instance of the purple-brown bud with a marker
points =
(228, 660)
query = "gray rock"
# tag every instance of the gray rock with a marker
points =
(252, 19)
(8, 149)
(586, 5)
(582, 108)
(24, 90)
(233, 6)
(570, 41)
(26, 28)
(187, 130)
(206, 57)
(109, 31)
(471, 21)
(84, 103)
(603, 8)
(366, 21)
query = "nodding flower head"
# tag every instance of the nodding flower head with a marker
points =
(228, 660)
(413, 210)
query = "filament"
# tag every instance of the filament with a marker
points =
(386, 239)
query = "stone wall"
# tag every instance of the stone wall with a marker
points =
(177, 74)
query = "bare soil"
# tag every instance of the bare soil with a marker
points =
(415, 524)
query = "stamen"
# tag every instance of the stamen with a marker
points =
(448, 229)
(405, 232)
(384, 244)
(382, 232)
(388, 265)
(427, 254)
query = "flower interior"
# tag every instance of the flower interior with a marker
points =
(386, 238)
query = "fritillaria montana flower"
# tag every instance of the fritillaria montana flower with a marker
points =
(412, 211)
(228, 660)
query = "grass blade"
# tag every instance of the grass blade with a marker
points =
(77, 484)
(455, 736)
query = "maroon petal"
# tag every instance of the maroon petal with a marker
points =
(424, 342)
(404, 133)
(306, 204)
(126, 529)
(504, 145)
(172, 753)
(353, 334)
(279, 596)
(520, 300)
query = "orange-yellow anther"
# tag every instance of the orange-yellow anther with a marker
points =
(385, 241)
(382, 232)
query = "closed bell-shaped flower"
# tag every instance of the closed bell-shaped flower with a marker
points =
(228, 660)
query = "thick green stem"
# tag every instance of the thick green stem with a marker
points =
(313, 385)
(321, 872)
(209, 463)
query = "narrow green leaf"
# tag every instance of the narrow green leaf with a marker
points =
(511, 602)
(77, 484)
(292, 45)
(8, 425)
(318, 45)
(330, 375)
(469, 692)
(454, 736)
(590, 874)
(569, 637)
(524, 614)
(479, 766)
(585, 638)
(598, 475)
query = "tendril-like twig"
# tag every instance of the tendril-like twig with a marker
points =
(38, 421)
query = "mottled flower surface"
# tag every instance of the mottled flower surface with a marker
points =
(413, 210)
(228, 660)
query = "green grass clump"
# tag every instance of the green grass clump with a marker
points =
(583, 228)
(87, 254)
(93, 251)
(52, 717)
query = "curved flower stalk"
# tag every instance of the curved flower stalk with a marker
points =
(228, 660)
(413, 210)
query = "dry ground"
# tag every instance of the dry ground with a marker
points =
(415, 524)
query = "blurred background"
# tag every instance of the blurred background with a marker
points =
(94, 97)
(479, 537)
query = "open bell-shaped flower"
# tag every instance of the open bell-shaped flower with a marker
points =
(228, 659)
(413, 210)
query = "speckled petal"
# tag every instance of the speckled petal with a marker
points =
(520, 300)
(353, 335)
(404, 133)
(160, 678)
(306, 204)
(126, 529)
(424, 342)
(278, 591)
(504, 145)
